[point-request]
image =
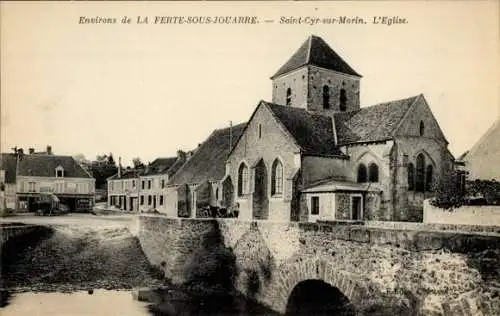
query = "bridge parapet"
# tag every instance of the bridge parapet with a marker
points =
(379, 270)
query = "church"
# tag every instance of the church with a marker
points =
(314, 154)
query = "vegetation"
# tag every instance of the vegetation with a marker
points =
(450, 194)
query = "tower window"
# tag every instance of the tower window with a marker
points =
(326, 97)
(422, 128)
(288, 96)
(343, 99)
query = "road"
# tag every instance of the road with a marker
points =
(76, 252)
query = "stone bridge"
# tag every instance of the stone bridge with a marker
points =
(352, 269)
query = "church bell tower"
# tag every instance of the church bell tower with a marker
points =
(317, 79)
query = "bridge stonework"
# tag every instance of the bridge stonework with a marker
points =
(380, 271)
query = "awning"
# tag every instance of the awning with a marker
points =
(47, 197)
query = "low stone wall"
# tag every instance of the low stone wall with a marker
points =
(488, 215)
(381, 271)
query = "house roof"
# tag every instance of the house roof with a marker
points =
(127, 174)
(312, 132)
(208, 163)
(373, 123)
(315, 51)
(160, 166)
(8, 163)
(45, 166)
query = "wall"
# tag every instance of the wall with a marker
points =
(274, 144)
(319, 77)
(487, 215)
(51, 184)
(295, 80)
(319, 168)
(381, 271)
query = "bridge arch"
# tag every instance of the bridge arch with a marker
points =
(345, 288)
(316, 297)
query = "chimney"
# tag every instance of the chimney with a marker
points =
(49, 150)
(31, 151)
(119, 167)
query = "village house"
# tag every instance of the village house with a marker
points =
(482, 161)
(8, 163)
(123, 189)
(45, 173)
(143, 189)
(314, 154)
(197, 184)
(153, 182)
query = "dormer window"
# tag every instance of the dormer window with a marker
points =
(59, 172)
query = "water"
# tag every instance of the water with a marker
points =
(101, 302)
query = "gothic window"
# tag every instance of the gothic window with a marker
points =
(277, 178)
(373, 172)
(343, 99)
(260, 131)
(420, 178)
(362, 173)
(411, 176)
(326, 97)
(217, 194)
(242, 179)
(422, 128)
(428, 178)
(288, 96)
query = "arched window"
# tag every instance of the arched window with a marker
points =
(420, 178)
(242, 179)
(428, 178)
(373, 173)
(288, 96)
(277, 178)
(411, 176)
(343, 99)
(362, 173)
(422, 128)
(217, 194)
(326, 97)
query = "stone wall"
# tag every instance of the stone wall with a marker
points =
(488, 215)
(381, 271)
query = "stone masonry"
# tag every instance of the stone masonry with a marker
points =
(380, 270)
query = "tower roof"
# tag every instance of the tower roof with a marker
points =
(315, 51)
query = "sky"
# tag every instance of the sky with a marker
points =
(147, 90)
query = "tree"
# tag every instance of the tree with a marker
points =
(111, 160)
(449, 195)
(137, 162)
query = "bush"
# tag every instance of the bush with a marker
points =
(448, 193)
(486, 190)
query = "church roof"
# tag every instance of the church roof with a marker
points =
(312, 132)
(45, 166)
(373, 123)
(315, 51)
(208, 163)
(8, 163)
